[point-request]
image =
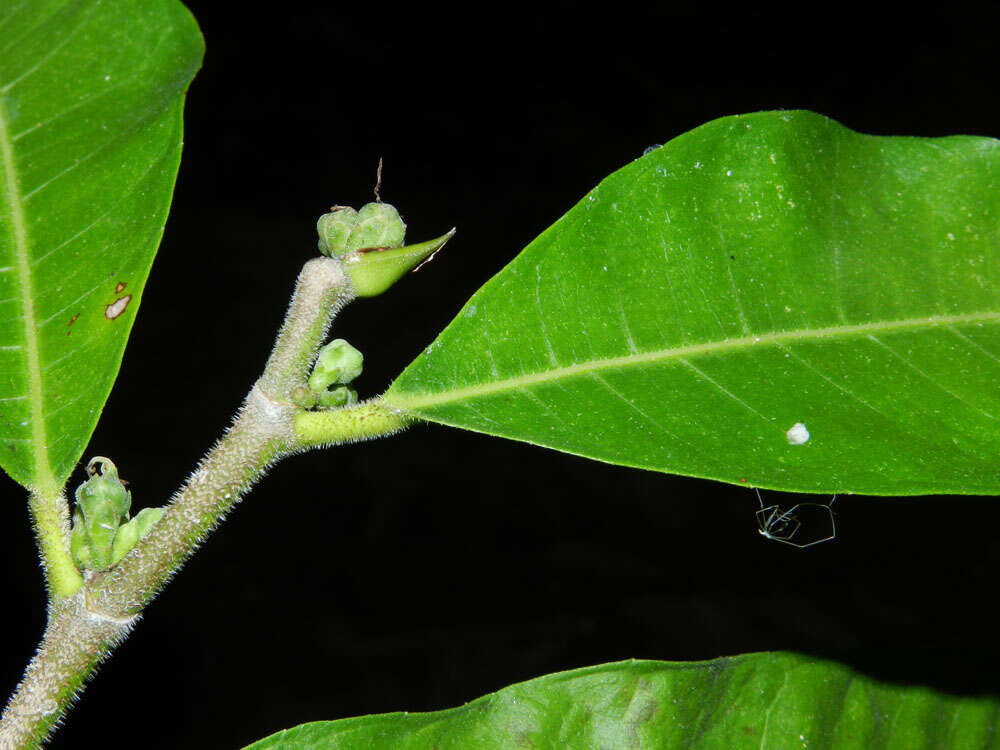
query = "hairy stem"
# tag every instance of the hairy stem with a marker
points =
(76, 640)
(50, 519)
(348, 425)
(86, 626)
(322, 285)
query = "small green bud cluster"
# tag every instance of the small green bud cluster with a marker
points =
(377, 226)
(369, 244)
(102, 532)
(337, 364)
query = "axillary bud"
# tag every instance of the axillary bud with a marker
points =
(102, 504)
(344, 230)
(102, 532)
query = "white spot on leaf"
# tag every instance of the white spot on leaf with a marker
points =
(797, 434)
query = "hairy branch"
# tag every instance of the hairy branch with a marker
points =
(86, 626)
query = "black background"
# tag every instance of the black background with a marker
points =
(418, 572)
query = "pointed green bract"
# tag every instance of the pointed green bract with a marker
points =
(758, 273)
(90, 139)
(372, 273)
(753, 701)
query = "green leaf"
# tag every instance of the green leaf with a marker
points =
(91, 95)
(752, 701)
(756, 273)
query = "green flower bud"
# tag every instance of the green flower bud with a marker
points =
(337, 397)
(130, 533)
(345, 230)
(102, 504)
(334, 228)
(374, 271)
(338, 363)
(378, 225)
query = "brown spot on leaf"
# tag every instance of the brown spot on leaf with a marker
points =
(119, 287)
(71, 322)
(117, 307)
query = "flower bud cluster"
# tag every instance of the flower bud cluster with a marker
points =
(102, 531)
(377, 226)
(337, 364)
(369, 244)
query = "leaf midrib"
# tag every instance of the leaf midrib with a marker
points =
(416, 401)
(19, 236)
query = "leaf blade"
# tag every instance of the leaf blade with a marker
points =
(752, 700)
(709, 296)
(90, 130)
